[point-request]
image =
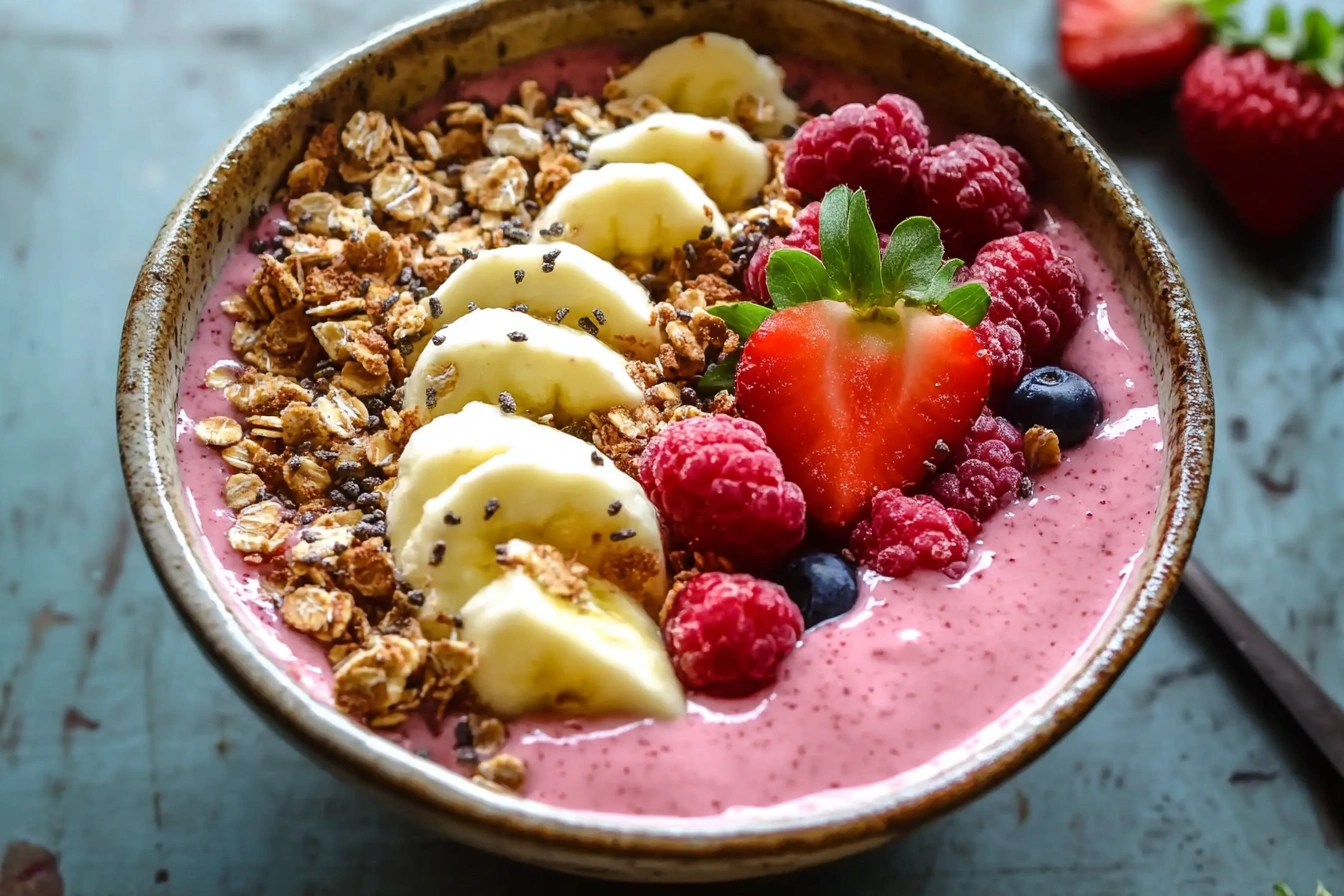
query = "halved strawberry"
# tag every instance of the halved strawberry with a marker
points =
(855, 406)
(869, 362)
(1124, 46)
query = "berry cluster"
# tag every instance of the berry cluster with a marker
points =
(898, 435)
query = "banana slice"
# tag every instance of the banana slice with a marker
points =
(730, 165)
(556, 276)
(708, 74)
(560, 497)
(545, 368)
(628, 208)
(593, 653)
(448, 446)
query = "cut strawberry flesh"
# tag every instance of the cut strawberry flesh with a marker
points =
(855, 406)
(1120, 46)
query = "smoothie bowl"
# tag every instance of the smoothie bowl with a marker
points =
(634, 446)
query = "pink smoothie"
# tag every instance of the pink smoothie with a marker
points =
(922, 667)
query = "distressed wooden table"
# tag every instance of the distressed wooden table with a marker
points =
(125, 755)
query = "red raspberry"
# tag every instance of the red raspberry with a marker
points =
(985, 471)
(875, 148)
(1033, 291)
(1006, 355)
(903, 534)
(805, 235)
(974, 188)
(727, 634)
(722, 490)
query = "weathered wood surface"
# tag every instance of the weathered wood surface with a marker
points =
(124, 753)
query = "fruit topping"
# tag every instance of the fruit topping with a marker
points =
(872, 148)
(1123, 46)
(1035, 292)
(976, 189)
(902, 534)
(721, 489)
(552, 640)
(823, 585)
(985, 469)
(1057, 399)
(727, 633)
(1265, 116)
(870, 362)
(630, 208)
(721, 156)
(716, 76)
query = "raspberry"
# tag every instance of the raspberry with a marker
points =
(975, 189)
(1006, 356)
(722, 490)
(805, 235)
(903, 534)
(985, 471)
(727, 634)
(1033, 291)
(875, 148)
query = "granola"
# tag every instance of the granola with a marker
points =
(377, 216)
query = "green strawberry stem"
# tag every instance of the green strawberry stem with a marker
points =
(1317, 45)
(853, 269)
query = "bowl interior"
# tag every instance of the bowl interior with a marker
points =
(410, 62)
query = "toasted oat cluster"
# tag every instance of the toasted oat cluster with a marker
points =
(379, 215)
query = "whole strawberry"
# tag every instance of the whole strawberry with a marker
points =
(1266, 118)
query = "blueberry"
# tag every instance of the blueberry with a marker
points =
(1057, 399)
(822, 585)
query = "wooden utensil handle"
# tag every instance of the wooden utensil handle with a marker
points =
(1319, 716)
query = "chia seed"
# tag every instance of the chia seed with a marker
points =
(491, 507)
(438, 339)
(415, 597)
(599, 316)
(622, 534)
(613, 508)
(436, 555)
(597, 458)
(517, 336)
(560, 314)
(452, 519)
(507, 404)
(706, 232)
(431, 397)
(587, 326)
(435, 307)
(518, 275)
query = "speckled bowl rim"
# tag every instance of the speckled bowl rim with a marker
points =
(432, 790)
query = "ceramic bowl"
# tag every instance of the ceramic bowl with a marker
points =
(409, 62)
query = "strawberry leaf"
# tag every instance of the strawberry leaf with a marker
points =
(720, 375)
(1317, 46)
(741, 317)
(794, 277)
(968, 303)
(912, 258)
(849, 247)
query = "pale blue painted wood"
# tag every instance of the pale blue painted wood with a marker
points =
(1180, 782)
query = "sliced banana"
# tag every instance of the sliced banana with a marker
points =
(629, 208)
(549, 278)
(448, 446)
(708, 74)
(730, 165)
(545, 368)
(597, 653)
(545, 495)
